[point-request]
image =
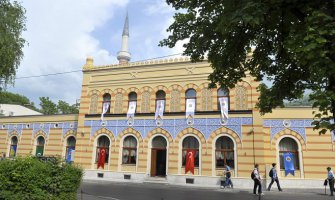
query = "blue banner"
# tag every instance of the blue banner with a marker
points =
(288, 163)
(69, 156)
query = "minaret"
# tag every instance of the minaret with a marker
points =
(124, 56)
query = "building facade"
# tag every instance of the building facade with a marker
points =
(141, 146)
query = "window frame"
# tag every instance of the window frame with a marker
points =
(225, 152)
(129, 160)
(295, 154)
(158, 99)
(219, 96)
(195, 102)
(196, 150)
(104, 100)
(97, 153)
(129, 100)
(12, 145)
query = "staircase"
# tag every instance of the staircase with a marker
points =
(156, 179)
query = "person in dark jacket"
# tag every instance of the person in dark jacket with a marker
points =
(228, 177)
(257, 180)
(330, 178)
(274, 177)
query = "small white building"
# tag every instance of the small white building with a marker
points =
(16, 110)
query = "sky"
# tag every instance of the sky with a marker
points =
(62, 34)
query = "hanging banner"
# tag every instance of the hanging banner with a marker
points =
(190, 107)
(159, 109)
(12, 152)
(102, 157)
(105, 107)
(190, 154)
(288, 163)
(70, 155)
(224, 108)
(131, 109)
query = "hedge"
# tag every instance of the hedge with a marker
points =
(31, 178)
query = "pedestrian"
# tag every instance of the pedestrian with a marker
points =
(274, 177)
(228, 181)
(256, 176)
(330, 178)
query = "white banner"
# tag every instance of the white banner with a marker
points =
(224, 108)
(190, 107)
(159, 109)
(105, 107)
(131, 109)
(72, 155)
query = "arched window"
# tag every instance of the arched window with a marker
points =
(224, 152)
(13, 147)
(132, 97)
(159, 142)
(70, 147)
(191, 94)
(103, 143)
(190, 143)
(40, 146)
(129, 150)
(287, 145)
(107, 99)
(223, 92)
(160, 95)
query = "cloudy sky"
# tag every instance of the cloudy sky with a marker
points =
(62, 33)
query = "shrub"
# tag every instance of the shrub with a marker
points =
(30, 178)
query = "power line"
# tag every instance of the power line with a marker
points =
(60, 73)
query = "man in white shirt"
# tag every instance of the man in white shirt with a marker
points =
(257, 181)
(330, 178)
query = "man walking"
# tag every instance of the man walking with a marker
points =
(228, 178)
(274, 177)
(331, 180)
(257, 180)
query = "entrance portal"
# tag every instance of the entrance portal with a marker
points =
(158, 157)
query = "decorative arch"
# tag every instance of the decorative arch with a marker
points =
(94, 100)
(156, 131)
(14, 133)
(129, 131)
(242, 95)
(288, 132)
(161, 87)
(133, 89)
(176, 92)
(206, 97)
(118, 106)
(109, 91)
(68, 134)
(103, 131)
(191, 85)
(91, 92)
(146, 96)
(40, 133)
(191, 131)
(224, 130)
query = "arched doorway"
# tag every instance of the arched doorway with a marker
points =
(158, 156)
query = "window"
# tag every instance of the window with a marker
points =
(70, 145)
(288, 145)
(224, 152)
(107, 99)
(129, 150)
(132, 98)
(13, 147)
(103, 143)
(159, 142)
(160, 95)
(191, 94)
(223, 92)
(190, 143)
(40, 146)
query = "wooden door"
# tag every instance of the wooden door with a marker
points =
(153, 162)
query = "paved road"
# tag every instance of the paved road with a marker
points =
(98, 190)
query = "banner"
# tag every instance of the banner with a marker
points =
(159, 109)
(288, 163)
(224, 108)
(190, 107)
(190, 154)
(70, 154)
(131, 109)
(105, 107)
(102, 157)
(12, 152)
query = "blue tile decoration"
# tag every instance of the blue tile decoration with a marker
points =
(15, 127)
(174, 126)
(67, 126)
(297, 125)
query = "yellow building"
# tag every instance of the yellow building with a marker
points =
(149, 144)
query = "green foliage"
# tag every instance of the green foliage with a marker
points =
(292, 45)
(12, 23)
(65, 108)
(11, 98)
(47, 106)
(31, 179)
(304, 101)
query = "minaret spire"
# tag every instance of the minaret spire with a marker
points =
(124, 56)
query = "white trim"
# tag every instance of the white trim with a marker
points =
(149, 153)
(180, 148)
(301, 166)
(121, 152)
(35, 144)
(213, 154)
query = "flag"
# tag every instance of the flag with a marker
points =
(105, 107)
(190, 154)
(159, 109)
(131, 109)
(190, 107)
(12, 152)
(224, 108)
(288, 163)
(102, 157)
(70, 154)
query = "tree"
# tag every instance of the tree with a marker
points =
(292, 45)
(65, 108)
(47, 106)
(12, 23)
(11, 98)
